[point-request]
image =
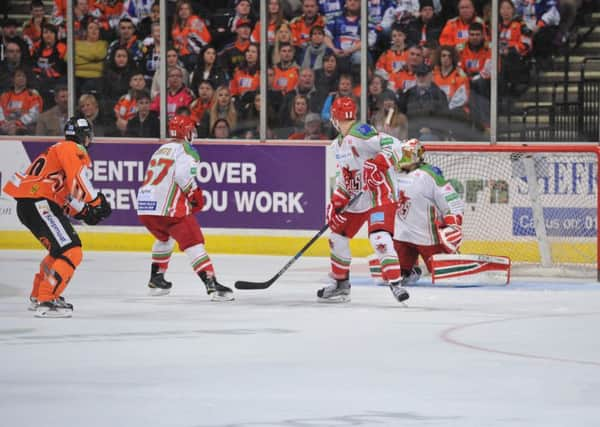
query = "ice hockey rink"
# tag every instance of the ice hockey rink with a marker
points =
(523, 355)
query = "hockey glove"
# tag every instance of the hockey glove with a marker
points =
(338, 202)
(196, 200)
(95, 211)
(335, 219)
(450, 233)
(374, 171)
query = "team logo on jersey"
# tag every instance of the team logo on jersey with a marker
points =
(351, 179)
(403, 204)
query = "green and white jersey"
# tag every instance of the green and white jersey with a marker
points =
(169, 178)
(424, 196)
(362, 143)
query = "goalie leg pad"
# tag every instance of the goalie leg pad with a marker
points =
(383, 245)
(470, 269)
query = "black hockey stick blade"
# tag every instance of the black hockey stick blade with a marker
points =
(242, 284)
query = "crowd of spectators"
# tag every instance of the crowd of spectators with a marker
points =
(429, 64)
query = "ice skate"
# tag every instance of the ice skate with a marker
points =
(158, 285)
(33, 304)
(338, 292)
(398, 291)
(215, 290)
(54, 309)
(413, 276)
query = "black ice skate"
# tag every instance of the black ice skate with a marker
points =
(338, 292)
(214, 289)
(56, 308)
(398, 291)
(157, 284)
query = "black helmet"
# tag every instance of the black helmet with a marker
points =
(76, 129)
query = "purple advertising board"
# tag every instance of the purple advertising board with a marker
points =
(245, 186)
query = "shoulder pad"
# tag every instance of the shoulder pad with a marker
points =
(434, 172)
(363, 130)
(187, 147)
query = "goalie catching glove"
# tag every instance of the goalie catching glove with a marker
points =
(450, 233)
(336, 205)
(374, 171)
(196, 199)
(94, 211)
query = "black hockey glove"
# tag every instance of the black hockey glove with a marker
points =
(95, 211)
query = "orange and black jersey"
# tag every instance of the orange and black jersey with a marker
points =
(60, 174)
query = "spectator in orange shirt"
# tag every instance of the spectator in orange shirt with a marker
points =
(476, 62)
(199, 106)
(452, 81)
(20, 107)
(247, 76)
(514, 43)
(456, 30)
(274, 18)
(394, 59)
(406, 78)
(301, 26)
(126, 107)
(286, 71)
(189, 34)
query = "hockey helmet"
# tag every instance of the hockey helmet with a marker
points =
(182, 128)
(343, 108)
(77, 129)
(412, 153)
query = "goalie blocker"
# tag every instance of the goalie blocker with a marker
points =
(469, 269)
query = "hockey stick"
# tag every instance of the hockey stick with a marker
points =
(242, 284)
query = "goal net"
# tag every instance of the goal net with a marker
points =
(536, 204)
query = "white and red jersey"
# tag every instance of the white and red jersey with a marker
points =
(424, 197)
(170, 177)
(362, 143)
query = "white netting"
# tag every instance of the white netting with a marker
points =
(503, 212)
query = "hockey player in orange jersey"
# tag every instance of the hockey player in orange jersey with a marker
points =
(56, 185)
(167, 201)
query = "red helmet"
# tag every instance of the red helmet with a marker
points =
(343, 108)
(182, 127)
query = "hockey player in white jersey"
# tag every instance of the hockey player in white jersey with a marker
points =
(167, 201)
(363, 158)
(429, 215)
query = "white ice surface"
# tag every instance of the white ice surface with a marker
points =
(524, 355)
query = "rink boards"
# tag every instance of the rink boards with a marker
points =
(261, 199)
